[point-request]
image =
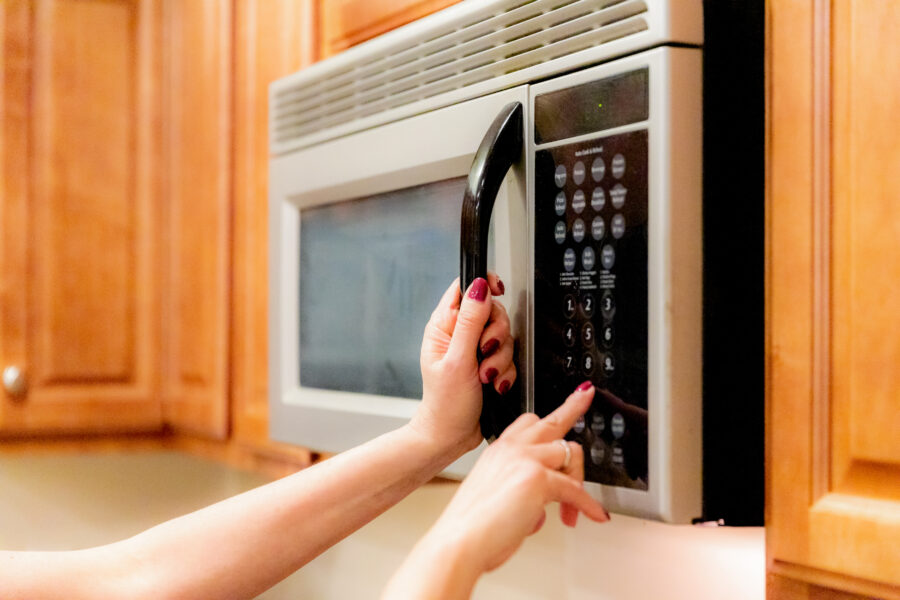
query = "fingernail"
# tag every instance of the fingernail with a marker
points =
(491, 374)
(489, 347)
(504, 387)
(479, 288)
(501, 286)
(584, 386)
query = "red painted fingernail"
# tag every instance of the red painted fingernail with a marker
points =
(479, 289)
(501, 286)
(489, 347)
(584, 386)
(504, 387)
(491, 374)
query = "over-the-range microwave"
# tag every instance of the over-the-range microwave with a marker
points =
(624, 261)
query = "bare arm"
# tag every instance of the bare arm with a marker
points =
(245, 544)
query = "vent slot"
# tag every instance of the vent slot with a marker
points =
(523, 36)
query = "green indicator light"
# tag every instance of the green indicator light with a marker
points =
(599, 106)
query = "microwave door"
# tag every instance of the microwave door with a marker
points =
(498, 151)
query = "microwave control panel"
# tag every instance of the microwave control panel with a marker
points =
(591, 271)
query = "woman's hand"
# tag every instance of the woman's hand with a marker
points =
(500, 503)
(452, 377)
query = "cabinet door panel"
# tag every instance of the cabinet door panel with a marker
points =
(834, 268)
(273, 39)
(78, 261)
(197, 236)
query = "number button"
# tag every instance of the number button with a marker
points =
(608, 334)
(569, 306)
(587, 305)
(569, 363)
(587, 334)
(608, 305)
(609, 365)
(569, 334)
(587, 364)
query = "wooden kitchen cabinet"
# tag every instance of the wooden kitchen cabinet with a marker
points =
(273, 39)
(345, 23)
(79, 215)
(833, 313)
(197, 129)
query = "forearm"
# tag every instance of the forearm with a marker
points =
(241, 546)
(440, 567)
(245, 544)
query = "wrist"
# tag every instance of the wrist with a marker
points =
(446, 442)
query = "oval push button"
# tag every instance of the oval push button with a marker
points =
(608, 305)
(560, 175)
(587, 305)
(587, 364)
(578, 230)
(569, 334)
(608, 335)
(559, 232)
(598, 169)
(618, 166)
(559, 204)
(588, 258)
(598, 424)
(587, 334)
(608, 257)
(617, 426)
(578, 201)
(598, 199)
(598, 228)
(569, 260)
(569, 306)
(578, 173)
(598, 452)
(617, 195)
(617, 226)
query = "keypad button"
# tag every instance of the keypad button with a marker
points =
(618, 166)
(578, 201)
(569, 334)
(608, 305)
(587, 364)
(588, 258)
(560, 203)
(617, 195)
(598, 228)
(598, 169)
(598, 199)
(578, 427)
(598, 452)
(569, 260)
(587, 334)
(578, 230)
(608, 335)
(569, 363)
(609, 365)
(559, 232)
(560, 175)
(598, 424)
(617, 225)
(608, 257)
(618, 455)
(569, 306)
(617, 426)
(578, 173)
(587, 305)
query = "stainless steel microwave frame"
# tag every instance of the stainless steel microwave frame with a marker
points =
(434, 139)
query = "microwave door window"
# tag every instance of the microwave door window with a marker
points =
(371, 272)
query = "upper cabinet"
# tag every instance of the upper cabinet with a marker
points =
(833, 309)
(345, 23)
(79, 211)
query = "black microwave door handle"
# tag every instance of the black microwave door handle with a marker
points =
(499, 150)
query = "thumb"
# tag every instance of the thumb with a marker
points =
(474, 312)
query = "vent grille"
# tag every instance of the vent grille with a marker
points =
(480, 48)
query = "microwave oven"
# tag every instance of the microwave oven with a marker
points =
(586, 120)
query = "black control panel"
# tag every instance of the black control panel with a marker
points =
(591, 297)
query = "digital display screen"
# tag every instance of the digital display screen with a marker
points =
(594, 106)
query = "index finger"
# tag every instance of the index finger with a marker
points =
(555, 425)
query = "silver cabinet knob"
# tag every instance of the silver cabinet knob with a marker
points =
(14, 381)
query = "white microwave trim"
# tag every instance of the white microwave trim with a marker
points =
(423, 149)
